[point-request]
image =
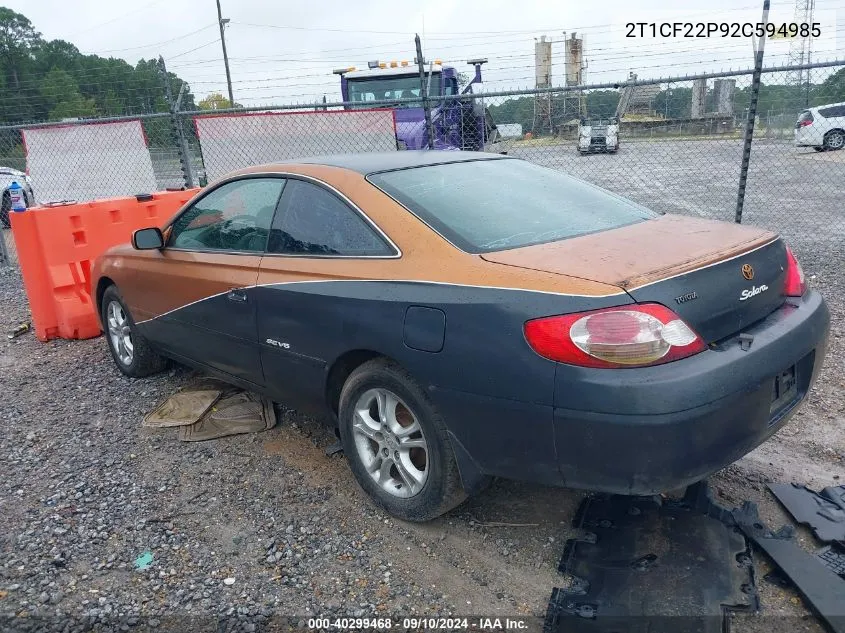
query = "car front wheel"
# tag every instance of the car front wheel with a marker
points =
(396, 443)
(130, 351)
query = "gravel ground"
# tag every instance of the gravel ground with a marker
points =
(256, 527)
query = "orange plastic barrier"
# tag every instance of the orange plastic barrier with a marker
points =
(56, 249)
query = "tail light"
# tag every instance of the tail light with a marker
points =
(794, 286)
(625, 336)
(805, 123)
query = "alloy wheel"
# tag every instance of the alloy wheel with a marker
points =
(390, 443)
(120, 333)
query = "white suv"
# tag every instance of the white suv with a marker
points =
(821, 128)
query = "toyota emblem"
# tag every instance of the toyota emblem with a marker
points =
(747, 272)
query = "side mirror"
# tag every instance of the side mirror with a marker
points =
(148, 239)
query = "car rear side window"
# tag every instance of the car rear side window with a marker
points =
(313, 221)
(832, 111)
(234, 217)
(488, 205)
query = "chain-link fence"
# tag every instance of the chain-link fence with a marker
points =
(675, 145)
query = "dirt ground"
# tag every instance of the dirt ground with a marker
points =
(86, 490)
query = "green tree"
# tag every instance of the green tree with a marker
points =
(602, 104)
(831, 90)
(56, 86)
(17, 39)
(216, 101)
(72, 107)
(62, 96)
(44, 80)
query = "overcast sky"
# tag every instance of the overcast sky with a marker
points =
(284, 51)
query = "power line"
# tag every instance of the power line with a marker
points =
(135, 48)
(116, 19)
(214, 41)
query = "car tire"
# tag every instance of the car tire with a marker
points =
(5, 208)
(372, 448)
(834, 140)
(131, 352)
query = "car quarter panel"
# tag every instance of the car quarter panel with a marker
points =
(483, 373)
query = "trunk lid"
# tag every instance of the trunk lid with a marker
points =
(718, 277)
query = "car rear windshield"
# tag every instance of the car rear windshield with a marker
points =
(489, 205)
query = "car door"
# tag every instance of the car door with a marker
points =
(316, 236)
(198, 292)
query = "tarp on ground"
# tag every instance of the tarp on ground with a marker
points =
(82, 162)
(234, 141)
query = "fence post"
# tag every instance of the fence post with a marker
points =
(752, 114)
(184, 156)
(424, 93)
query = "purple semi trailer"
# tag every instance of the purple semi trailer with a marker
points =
(458, 124)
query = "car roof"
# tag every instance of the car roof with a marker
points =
(370, 163)
(826, 105)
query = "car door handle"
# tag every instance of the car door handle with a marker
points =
(236, 294)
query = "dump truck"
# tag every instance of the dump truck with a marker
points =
(457, 124)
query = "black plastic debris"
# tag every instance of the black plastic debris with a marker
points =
(334, 449)
(833, 557)
(644, 564)
(824, 512)
(822, 589)
(777, 578)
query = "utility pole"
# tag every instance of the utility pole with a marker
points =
(222, 24)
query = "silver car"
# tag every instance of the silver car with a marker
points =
(7, 177)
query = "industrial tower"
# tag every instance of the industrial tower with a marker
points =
(801, 51)
(574, 106)
(542, 80)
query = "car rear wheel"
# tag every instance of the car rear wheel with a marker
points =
(396, 443)
(835, 139)
(131, 352)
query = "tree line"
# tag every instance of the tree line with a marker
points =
(43, 80)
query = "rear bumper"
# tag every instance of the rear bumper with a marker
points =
(665, 427)
(647, 430)
(597, 146)
(808, 137)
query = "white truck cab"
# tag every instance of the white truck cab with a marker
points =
(598, 135)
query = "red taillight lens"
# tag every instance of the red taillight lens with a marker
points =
(804, 123)
(625, 336)
(794, 286)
